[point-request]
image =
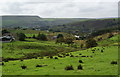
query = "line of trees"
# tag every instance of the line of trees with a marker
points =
(60, 39)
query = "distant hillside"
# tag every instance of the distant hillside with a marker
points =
(35, 21)
(88, 26)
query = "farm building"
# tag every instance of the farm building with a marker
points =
(7, 38)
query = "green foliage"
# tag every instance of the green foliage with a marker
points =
(69, 41)
(60, 38)
(91, 43)
(5, 31)
(33, 36)
(21, 36)
(70, 67)
(42, 37)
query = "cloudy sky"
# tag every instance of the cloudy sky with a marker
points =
(60, 8)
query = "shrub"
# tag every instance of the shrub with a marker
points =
(102, 51)
(114, 62)
(39, 66)
(41, 58)
(60, 56)
(21, 60)
(70, 67)
(67, 54)
(83, 56)
(6, 60)
(51, 57)
(23, 67)
(56, 57)
(80, 61)
(2, 63)
(42, 37)
(80, 67)
(91, 43)
(60, 36)
(33, 36)
(72, 56)
(21, 36)
(80, 54)
(69, 41)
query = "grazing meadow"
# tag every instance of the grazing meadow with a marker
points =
(34, 57)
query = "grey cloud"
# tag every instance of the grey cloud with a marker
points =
(53, 8)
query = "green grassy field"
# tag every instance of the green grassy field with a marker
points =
(95, 62)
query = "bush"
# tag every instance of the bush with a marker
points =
(51, 57)
(6, 60)
(91, 43)
(114, 62)
(23, 67)
(21, 36)
(102, 51)
(80, 67)
(21, 59)
(80, 54)
(70, 67)
(60, 36)
(42, 37)
(60, 56)
(39, 66)
(71, 56)
(67, 54)
(2, 63)
(56, 57)
(69, 41)
(80, 61)
(33, 36)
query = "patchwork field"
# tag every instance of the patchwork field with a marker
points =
(100, 60)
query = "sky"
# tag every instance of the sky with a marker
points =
(61, 8)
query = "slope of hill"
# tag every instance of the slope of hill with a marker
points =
(35, 21)
(98, 63)
(87, 26)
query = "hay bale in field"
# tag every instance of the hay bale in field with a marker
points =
(70, 67)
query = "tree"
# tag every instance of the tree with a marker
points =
(69, 41)
(33, 36)
(91, 43)
(21, 36)
(60, 36)
(5, 31)
(60, 39)
(42, 37)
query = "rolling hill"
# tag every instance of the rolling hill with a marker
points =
(35, 21)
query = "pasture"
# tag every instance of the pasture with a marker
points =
(49, 58)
